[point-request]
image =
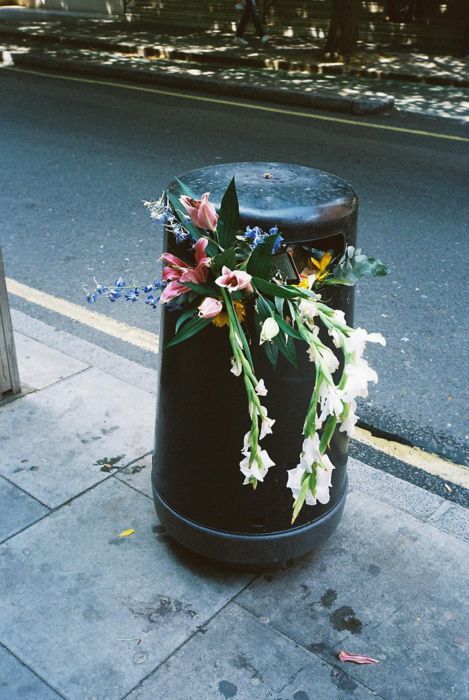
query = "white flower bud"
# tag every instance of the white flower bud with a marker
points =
(270, 329)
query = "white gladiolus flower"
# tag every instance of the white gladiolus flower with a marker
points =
(261, 389)
(259, 467)
(294, 480)
(324, 355)
(339, 317)
(266, 427)
(358, 338)
(358, 374)
(310, 452)
(236, 367)
(348, 423)
(308, 310)
(335, 335)
(329, 359)
(246, 444)
(330, 400)
(269, 330)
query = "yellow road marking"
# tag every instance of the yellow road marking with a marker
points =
(431, 463)
(415, 457)
(129, 334)
(243, 105)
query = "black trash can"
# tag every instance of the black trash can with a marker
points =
(202, 408)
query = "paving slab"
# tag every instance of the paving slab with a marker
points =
(17, 509)
(422, 651)
(378, 562)
(138, 475)
(142, 377)
(18, 682)
(93, 613)
(396, 492)
(453, 519)
(237, 656)
(54, 442)
(40, 366)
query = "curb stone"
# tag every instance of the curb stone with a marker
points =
(359, 105)
(164, 51)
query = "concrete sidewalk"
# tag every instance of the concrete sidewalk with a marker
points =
(288, 70)
(88, 614)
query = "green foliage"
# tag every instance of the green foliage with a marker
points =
(260, 260)
(229, 223)
(353, 266)
(188, 330)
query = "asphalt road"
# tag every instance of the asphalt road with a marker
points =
(77, 159)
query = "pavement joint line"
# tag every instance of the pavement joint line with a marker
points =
(334, 665)
(31, 670)
(232, 600)
(413, 456)
(130, 334)
(416, 457)
(233, 103)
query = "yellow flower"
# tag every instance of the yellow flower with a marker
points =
(222, 318)
(304, 283)
(322, 265)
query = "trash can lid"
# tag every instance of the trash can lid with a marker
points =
(294, 197)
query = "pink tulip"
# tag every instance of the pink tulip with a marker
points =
(202, 212)
(210, 308)
(176, 272)
(356, 658)
(234, 280)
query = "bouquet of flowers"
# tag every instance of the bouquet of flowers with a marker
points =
(216, 273)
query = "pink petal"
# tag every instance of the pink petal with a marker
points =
(169, 274)
(173, 260)
(210, 308)
(199, 250)
(197, 275)
(173, 290)
(207, 217)
(356, 658)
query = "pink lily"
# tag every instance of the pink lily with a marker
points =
(356, 658)
(210, 308)
(177, 272)
(234, 280)
(202, 212)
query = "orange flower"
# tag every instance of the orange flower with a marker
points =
(222, 318)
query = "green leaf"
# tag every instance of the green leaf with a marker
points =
(229, 223)
(185, 189)
(228, 258)
(299, 502)
(286, 328)
(260, 260)
(183, 318)
(287, 348)
(279, 304)
(204, 290)
(271, 350)
(354, 265)
(277, 290)
(187, 331)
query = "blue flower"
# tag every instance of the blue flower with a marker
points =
(120, 282)
(114, 295)
(91, 297)
(256, 236)
(152, 301)
(278, 243)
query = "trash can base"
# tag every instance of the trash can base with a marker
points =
(245, 550)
